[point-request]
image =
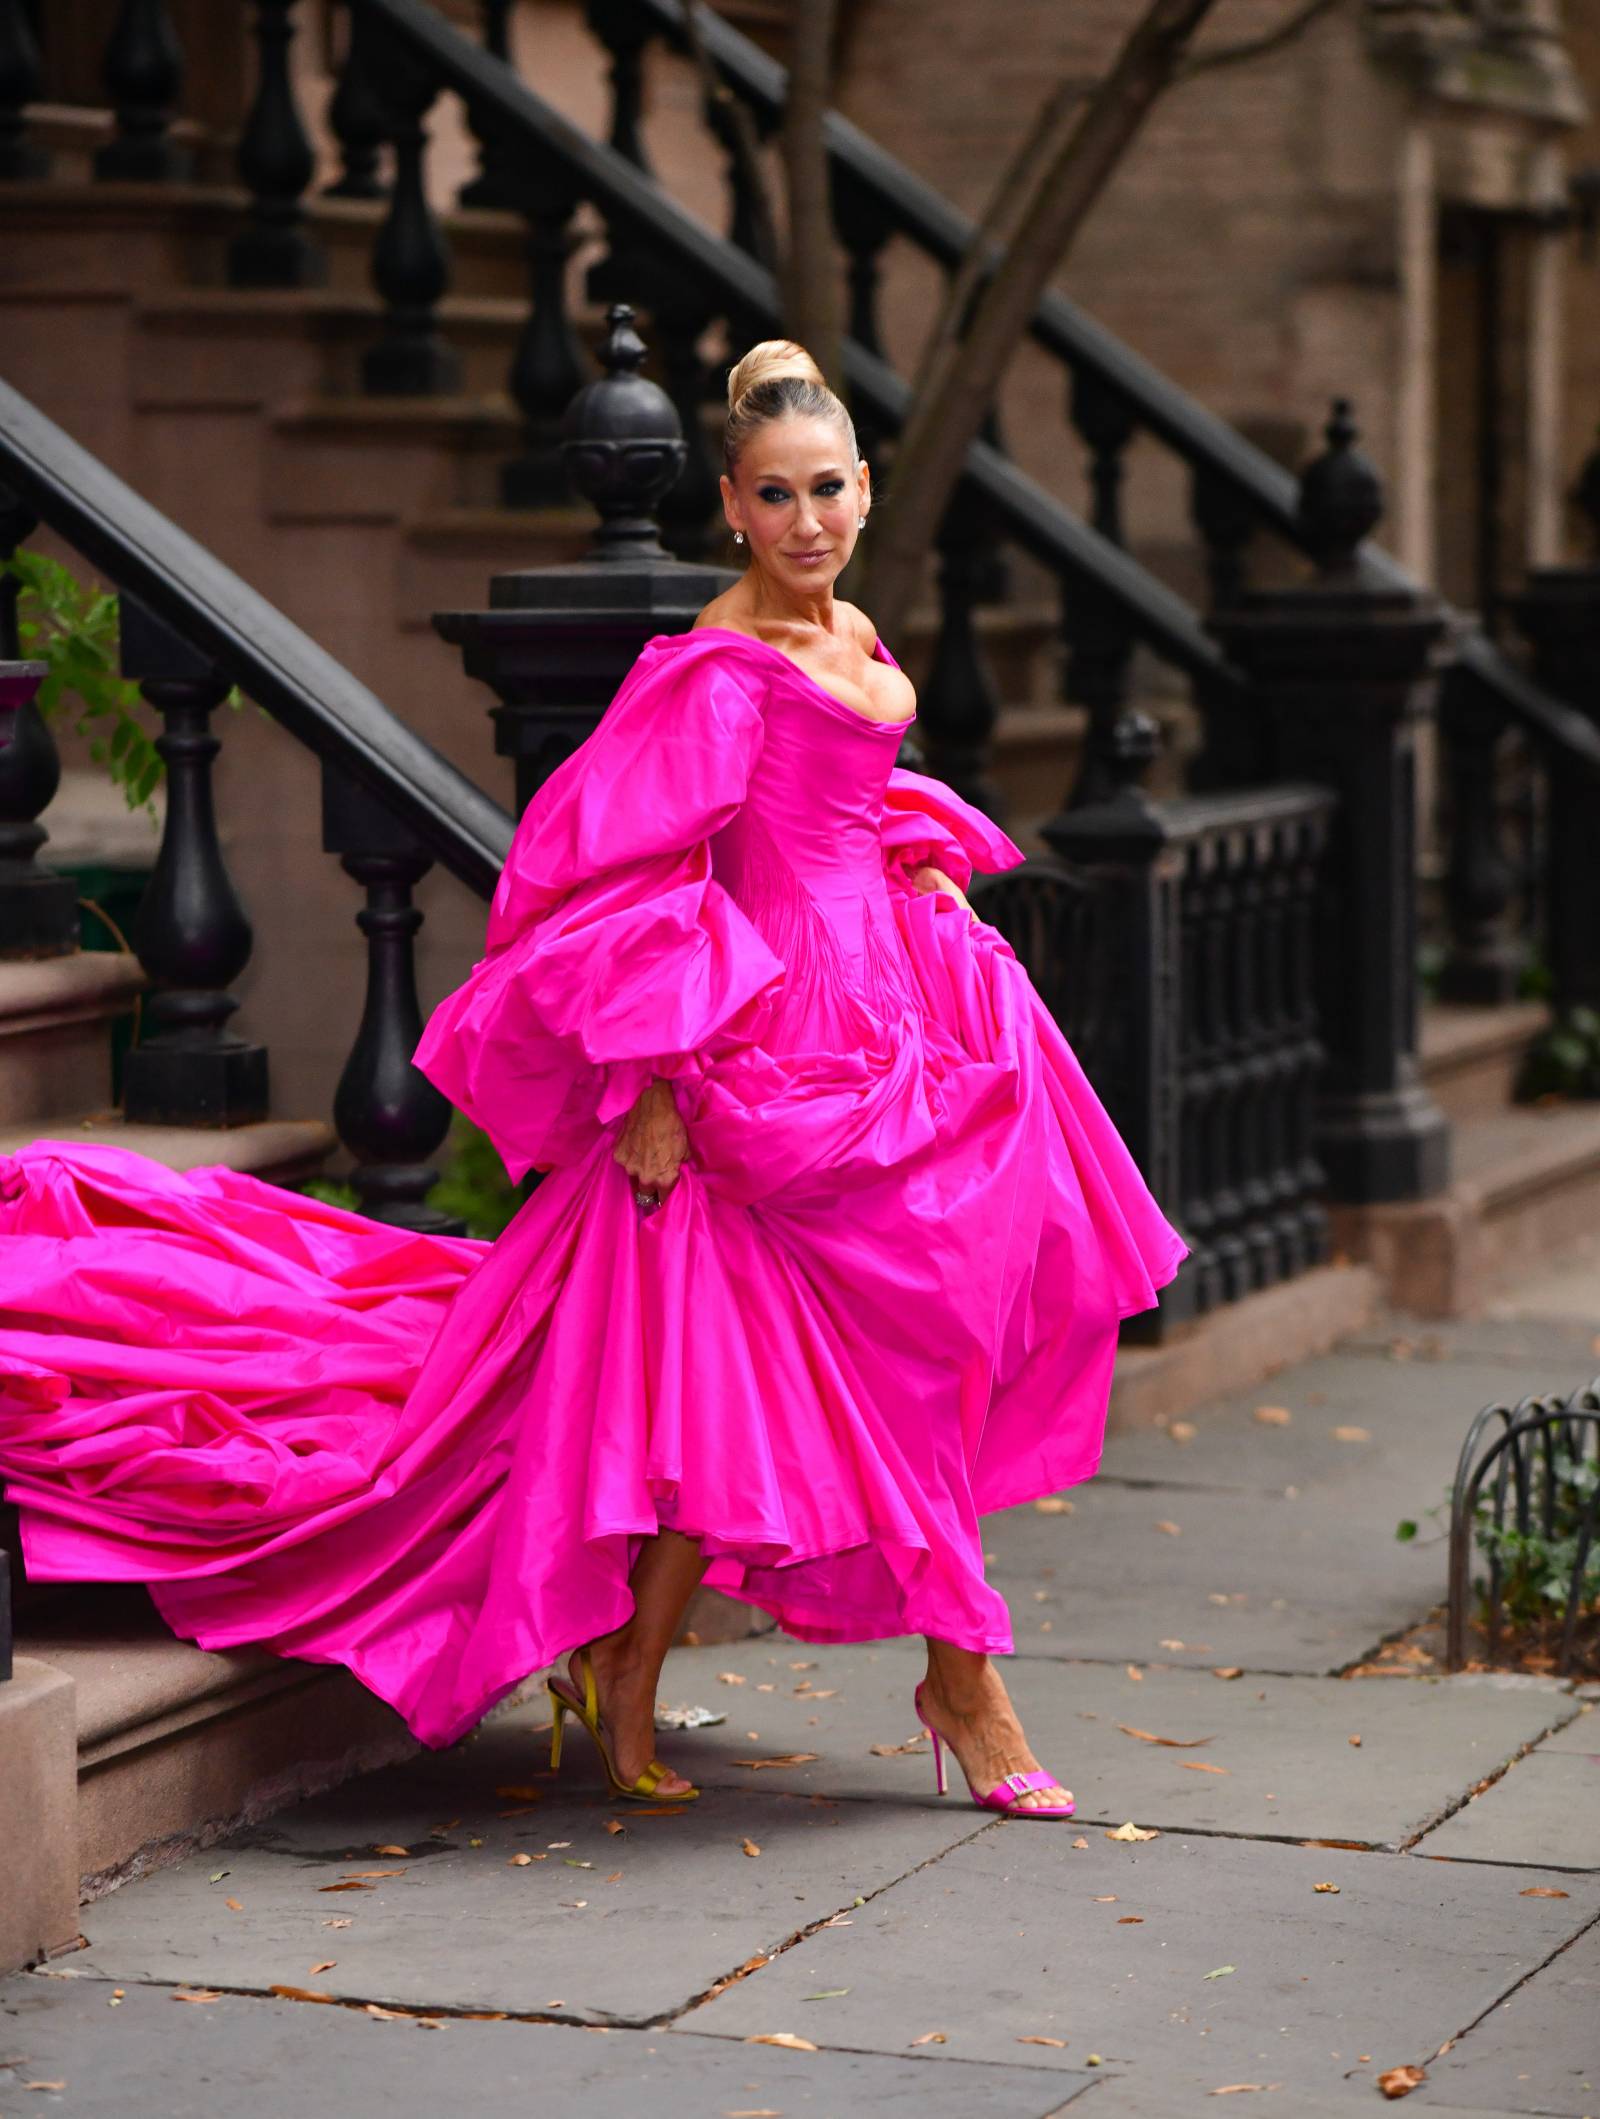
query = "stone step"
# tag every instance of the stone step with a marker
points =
(1526, 1186)
(55, 1017)
(280, 1150)
(1470, 1056)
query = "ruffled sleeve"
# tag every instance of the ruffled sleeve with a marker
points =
(926, 822)
(612, 954)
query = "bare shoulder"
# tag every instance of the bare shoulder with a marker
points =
(713, 612)
(862, 629)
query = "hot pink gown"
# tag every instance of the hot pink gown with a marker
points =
(881, 1299)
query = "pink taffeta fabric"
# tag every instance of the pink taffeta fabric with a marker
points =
(881, 1299)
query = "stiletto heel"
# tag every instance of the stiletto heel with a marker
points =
(647, 1788)
(1003, 1796)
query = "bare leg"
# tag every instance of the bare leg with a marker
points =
(966, 1701)
(627, 1663)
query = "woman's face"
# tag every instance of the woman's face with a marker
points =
(797, 499)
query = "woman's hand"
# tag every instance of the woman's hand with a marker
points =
(653, 1142)
(929, 878)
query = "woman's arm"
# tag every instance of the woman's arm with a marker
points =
(927, 878)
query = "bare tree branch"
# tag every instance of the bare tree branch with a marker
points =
(1261, 47)
(965, 374)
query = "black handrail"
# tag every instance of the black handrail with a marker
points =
(271, 660)
(499, 103)
(1198, 435)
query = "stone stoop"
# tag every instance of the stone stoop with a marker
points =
(1525, 1179)
(126, 1749)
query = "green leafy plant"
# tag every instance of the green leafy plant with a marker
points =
(71, 626)
(1535, 1568)
(1563, 1060)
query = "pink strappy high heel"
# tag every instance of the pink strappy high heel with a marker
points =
(1003, 1796)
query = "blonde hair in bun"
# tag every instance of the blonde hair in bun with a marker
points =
(778, 379)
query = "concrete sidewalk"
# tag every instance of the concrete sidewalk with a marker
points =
(1345, 1874)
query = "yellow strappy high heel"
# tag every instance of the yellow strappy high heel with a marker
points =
(647, 1788)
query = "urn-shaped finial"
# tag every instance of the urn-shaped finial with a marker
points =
(623, 447)
(1341, 496)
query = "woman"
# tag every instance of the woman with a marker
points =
(829, 1258)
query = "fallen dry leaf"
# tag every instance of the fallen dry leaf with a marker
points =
(732, 1677)
(784, 1758)
(797, 2045)
(1200, 1765)
(1170, 1530)
(1130, 1920)
(387, 2015)
(1176, 1743)
(508, 1795)
(1334, 1888)
(1354, 1741)
(615, 1824)
(754, 2111)
(615, 1877)
(1401, 2081)
(1130, 1832)
(1080, 1843)
(300, 1993)
(1032, 2038)
(1136, 1673)
(1272, 1416)
(1542, 1891)
(344, 1887)
(1053, 1505)
(1232, 2089)
(1110, 1901)
(338, 1923)
(196, 1994)
(1228, 1670)
(1183, 1430)
(804, 1666)
(750, 1847)
(374, 1872)
(326, 1965)
(931, 2038)
(61, 2085)
(233, 1905)
(519, 1861)
(1352, 1434)
(912, 1743)
(407, 1850)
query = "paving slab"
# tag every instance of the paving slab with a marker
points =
(1545, 1811)
(1134, 2096)
(654, 1915)
(1581, 1734)
(1287, 1768)
(1516, 1330)
(1271, 1583)
(1537, 2051)
(257, 2059)
(1125, 1952)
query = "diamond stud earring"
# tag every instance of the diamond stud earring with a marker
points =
(861, 522)
(738, 537)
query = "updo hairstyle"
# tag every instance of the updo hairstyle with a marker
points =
(779, 380)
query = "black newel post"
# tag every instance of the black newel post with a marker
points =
(356, 113)
(38, 909)
(1335, 673)
(21, 77)
(275, 166)
(411, 259)
(556, 642)
(144, 78)
(1559, 613)
(191, 933)
(1126, 848)
(388, 1115)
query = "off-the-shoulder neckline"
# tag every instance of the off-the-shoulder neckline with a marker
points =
(732, 632)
